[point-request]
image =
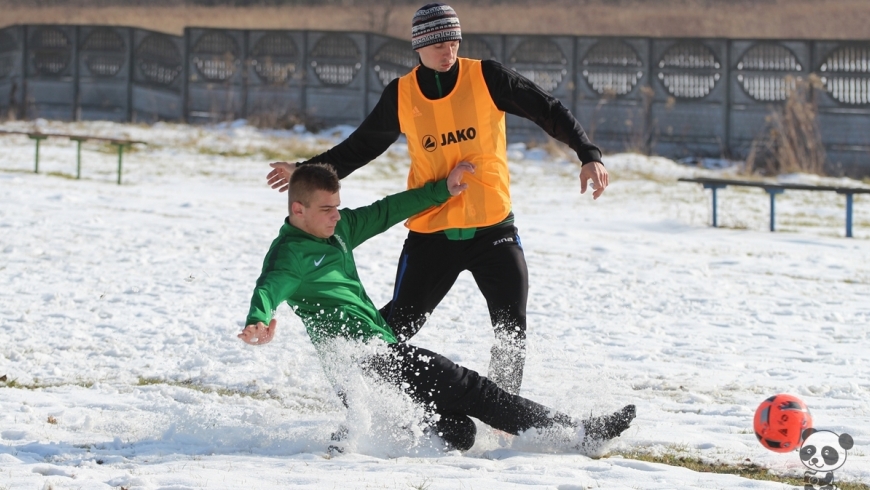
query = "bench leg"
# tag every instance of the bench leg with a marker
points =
(715, 220)
(849, 215)
(36, 166)
(714, 188)
(773, 193)
(78, 160)
(120, 157)
(37, 138)
(772, 212)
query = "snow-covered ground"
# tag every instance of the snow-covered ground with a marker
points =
(119, 307)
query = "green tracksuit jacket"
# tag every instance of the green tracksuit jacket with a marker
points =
(318, 277)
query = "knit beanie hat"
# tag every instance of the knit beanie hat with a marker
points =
(434, 23)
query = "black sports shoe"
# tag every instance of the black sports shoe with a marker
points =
(340, 434)
(598, 430)
(457, 431)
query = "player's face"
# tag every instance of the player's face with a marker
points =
(321, 215)
(439, 57)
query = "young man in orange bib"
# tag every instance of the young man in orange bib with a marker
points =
(451, 110)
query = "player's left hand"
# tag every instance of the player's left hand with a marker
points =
(598, 174)
(259, 334)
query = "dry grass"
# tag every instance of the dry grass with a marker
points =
(746, 469)
(791, 19)
(791, 141)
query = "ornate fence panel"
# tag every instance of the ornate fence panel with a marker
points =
(103, 91)
(672, 97)
(50, 88)
(336, 78)
(549, 62)
(11, 70)
(158, 77)
(215, 74)
(844, 104)
(388, 58)
(762, 75)
(689, 107)
(482, 47)
(276, 77)
(612, 92)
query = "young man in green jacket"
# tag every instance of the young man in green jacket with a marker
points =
(310, 265)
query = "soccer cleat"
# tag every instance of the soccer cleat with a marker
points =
(340, 434)
(598, 430)
(456, 431)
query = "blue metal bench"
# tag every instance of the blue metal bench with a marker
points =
(778, 188)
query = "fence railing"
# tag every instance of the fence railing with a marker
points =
(673, 97)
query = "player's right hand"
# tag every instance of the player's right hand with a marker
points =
(259, 334)
(279, 177)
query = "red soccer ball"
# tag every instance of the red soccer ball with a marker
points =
(780, 422)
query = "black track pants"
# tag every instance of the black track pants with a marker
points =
(447, 388)
(428, 268)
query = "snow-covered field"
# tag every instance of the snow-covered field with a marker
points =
(119, 307)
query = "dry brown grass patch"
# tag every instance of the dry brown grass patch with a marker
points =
(791, 141)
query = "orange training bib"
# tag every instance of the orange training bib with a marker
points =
(463, 126)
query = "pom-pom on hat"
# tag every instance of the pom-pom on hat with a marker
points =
(434, 23)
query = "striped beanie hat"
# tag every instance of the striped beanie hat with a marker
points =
(434, 23)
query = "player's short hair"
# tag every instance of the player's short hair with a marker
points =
(307, 179)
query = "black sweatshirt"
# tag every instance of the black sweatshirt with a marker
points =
(511, 92)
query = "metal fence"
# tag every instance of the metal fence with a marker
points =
(674, 97)
(11, 68)
(157, 88)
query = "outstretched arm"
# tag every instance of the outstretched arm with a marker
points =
(517, 95)
(273, 288)
(378, 131)
(279, 177)
(368, 221)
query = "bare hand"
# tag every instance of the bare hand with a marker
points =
(598, 174)
(259, 334)
(279, 177)
(454, 180)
